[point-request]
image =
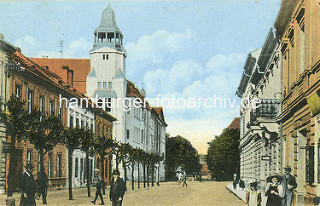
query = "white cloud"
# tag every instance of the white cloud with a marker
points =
(27, 44)
(153, 48)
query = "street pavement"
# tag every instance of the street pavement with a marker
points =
(168, 193)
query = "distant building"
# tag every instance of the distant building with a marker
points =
(235, 124)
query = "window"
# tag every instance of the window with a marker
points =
(99, 85)
(104, 85)
(310, 164)
(39, 165)
(50, 165)
(30, 101)
(18, 90)
(103, 131)
(142, 136)
(51, 107)
(128, 134)
(76, 167)
(71, 121)
(59, 165)
(109, 85)
(81, 170)
(77, 122)
(109, 104)
(302, 49)
(29, 156)
(41, 105)
(98, 130)
(60, 114)
(83, 124)
(103, 56)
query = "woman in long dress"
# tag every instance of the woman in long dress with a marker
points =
(254, 194)
(274, 191)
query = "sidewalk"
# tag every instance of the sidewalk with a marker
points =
(241, 193)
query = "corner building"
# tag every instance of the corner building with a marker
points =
(298, 30)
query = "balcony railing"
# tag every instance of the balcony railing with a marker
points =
(268, 109)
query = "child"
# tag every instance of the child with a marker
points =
(253, 194)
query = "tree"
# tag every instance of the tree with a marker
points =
(86, 144)
(71, 137)
(124, 153)
(103, 146)
(180, 152)
(133, 156)
(223, 155)
(14, 118)
(44, 132)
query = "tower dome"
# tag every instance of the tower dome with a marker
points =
(108, 34)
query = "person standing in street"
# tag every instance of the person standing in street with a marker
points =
(28, 187)
(289, 184)
(117, 189)
(99, 185)
(274, 191)
(43, 186)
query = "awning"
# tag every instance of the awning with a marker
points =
(314, 103)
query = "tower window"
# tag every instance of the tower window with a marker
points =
(105, 56)
(99, 85)
(104, 85)
(109, 85)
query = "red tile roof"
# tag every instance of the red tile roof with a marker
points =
(235, 124)
(80, 68)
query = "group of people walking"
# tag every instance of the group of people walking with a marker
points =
(29, 187)
(279, 190)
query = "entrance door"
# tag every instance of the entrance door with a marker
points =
(19, 170)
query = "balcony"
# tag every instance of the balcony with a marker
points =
(268, 110)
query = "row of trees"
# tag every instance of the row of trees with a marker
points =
(46, 131)
(180, 152)
(223, 157)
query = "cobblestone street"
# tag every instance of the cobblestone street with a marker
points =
(169, 193)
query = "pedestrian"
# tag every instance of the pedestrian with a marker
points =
(43, 186)
(117, 189)
(184, 179)
(28, 187)
(235, 181)
(253, 196)
(289, 184)
(274, 191)
(99, 184)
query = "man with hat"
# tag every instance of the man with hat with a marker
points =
(117, 189)
(28, 187)
(99, 185)
(289, 184)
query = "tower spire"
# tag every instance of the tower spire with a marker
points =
(108, 34)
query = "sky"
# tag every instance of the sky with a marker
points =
(184, 51)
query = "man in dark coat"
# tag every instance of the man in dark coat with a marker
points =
(289, 184)
(99, 186)
(43, 186)
(28, 187)
(117, 189)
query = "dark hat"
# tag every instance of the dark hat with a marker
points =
(269, 179)
(116, 172)
(287, 168)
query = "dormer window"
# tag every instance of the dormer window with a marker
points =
(105, 56)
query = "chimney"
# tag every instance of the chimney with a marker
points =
(69, 75)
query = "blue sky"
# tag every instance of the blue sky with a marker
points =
(175, 48)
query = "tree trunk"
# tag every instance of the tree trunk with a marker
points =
(144, 174)
(148, 175)
(132, 175)
(138, 175)
(158, 183)
(43, 178)
(70, 151)
(12, 166)
(102, 173)
(117, 161)
(88, 173)
(152, 175)
(125, 171)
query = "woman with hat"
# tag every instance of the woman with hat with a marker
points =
(274, 191)
(253, 195)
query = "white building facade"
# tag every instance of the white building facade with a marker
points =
(260, 137)
(140, 127)
(82, 118)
